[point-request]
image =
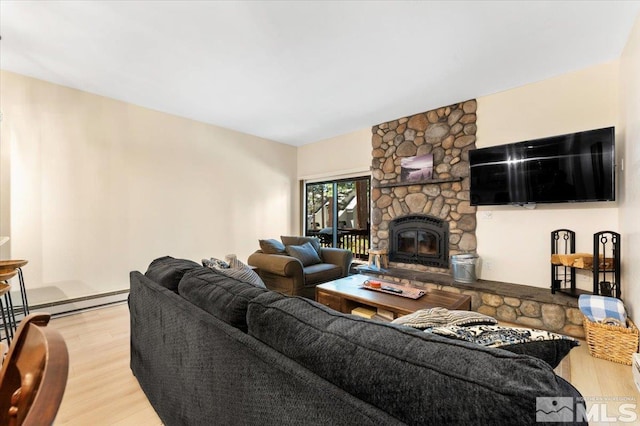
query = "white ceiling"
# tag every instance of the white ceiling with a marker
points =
(299, 72)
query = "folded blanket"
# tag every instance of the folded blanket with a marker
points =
(599, 308)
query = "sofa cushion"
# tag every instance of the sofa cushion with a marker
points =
(320, 273)
(224, 297)
(168, 271)
(418, 378)
(550, 351)
(305, 254)
(545, 345)
(272, 247)
(298, 241)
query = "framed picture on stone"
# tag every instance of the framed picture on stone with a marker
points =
(417, 168)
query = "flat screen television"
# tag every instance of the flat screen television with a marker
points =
(576, 167)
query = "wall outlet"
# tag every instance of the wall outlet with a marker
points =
(583, 278)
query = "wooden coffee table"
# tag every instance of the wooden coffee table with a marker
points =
(347, 293)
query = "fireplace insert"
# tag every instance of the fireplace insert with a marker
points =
(419, 239)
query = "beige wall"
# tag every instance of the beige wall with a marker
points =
(630, 199)
(99, 187)
(4, 189)
(513, 242)
(343, 155)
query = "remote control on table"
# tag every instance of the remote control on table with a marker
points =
(394, 290)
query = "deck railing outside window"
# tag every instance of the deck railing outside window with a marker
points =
(356, 240)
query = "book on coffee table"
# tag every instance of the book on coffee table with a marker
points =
(364, 312)
(386, 314)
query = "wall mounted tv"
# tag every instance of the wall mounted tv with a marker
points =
(576, 167)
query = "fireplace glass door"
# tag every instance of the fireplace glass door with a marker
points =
(417, 242)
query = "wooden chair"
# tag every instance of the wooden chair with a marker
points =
(11, 265)
(6, 308)
(34, 374)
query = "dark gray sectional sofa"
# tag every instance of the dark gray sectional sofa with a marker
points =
(208, 349)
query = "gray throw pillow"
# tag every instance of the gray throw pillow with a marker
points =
(239, 271)
(272, 246)
(438, 317)
(424, 318)
(462, 318)
(233, 261)
(305, 254)
(298, 241)
(245, 274)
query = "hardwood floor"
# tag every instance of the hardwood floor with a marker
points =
(102, 390)
(605, 384)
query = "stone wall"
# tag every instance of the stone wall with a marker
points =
(530, 313)
(448, 133)
(556, 313)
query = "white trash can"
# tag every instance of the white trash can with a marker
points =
(464, 267)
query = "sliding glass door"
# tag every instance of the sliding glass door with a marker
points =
(337, 212)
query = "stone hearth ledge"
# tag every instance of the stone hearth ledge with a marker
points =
(518, 304)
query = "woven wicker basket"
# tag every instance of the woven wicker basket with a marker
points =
(611, 342)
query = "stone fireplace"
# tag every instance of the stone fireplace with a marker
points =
(419, 239)
(423, 222)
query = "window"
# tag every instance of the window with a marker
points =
(337, 212)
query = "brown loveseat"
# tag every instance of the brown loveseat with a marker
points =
(295, 265)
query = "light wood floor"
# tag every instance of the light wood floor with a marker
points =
(102, 391)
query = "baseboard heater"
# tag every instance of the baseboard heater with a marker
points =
(72, 306)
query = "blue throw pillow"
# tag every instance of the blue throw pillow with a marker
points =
(305, 254)
(298, 241)
(272, 246)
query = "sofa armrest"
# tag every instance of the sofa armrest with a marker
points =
(277, 264)
(337, 256)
